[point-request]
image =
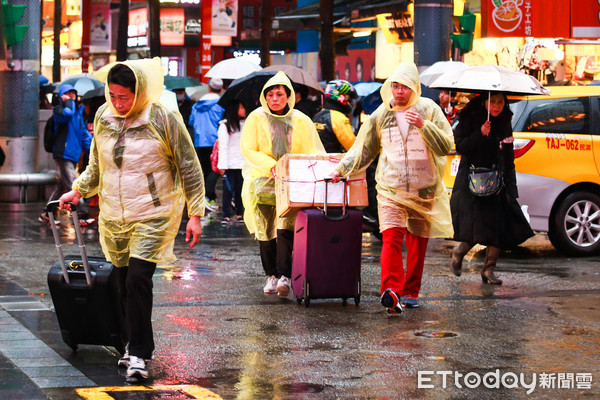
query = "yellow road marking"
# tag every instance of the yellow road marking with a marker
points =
(101, 393)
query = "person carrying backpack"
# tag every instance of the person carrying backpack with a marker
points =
(70, 140)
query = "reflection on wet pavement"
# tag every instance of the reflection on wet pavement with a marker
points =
(216, 331)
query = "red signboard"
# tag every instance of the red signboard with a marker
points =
(172, 24)
(585, 19)
(517, 18)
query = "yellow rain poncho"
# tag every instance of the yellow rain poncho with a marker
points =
(144, 168)
(410, 191)
(259, 142)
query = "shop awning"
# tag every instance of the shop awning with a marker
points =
(344, 13)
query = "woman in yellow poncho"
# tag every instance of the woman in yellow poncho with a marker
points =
(270, 132)
(411, 135)
(144, 168)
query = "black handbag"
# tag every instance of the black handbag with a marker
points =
(485, 182)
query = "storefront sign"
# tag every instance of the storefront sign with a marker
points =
(100, 26)
(585, 24)
(224, 17)
(137, 30)
(517, 18)
(172, 24)
(397, 27)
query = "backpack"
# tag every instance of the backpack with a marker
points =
(49, 135)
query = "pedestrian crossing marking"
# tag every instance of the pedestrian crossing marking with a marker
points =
(104, 393)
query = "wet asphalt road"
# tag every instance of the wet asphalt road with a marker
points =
(218, 336)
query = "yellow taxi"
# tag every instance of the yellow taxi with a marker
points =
(557, 160)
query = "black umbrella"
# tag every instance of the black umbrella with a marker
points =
(247, 90)
(98, 92)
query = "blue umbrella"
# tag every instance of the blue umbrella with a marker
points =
(43, 80)
(371, 102)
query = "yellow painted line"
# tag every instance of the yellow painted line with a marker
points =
(101, 393)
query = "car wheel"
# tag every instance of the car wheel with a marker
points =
(575, 229)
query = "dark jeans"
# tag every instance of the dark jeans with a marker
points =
(276, 254)
(210, 176)
(232, 189)
(135, 290)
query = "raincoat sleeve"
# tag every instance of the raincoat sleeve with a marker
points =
(186, 163)
(437, 132)
(364, 150)
(251, 149)
(87, 183)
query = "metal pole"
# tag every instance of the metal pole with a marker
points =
(57, 27)
(154, 22)
(265, 33)
(19, 104)
(327, 49)
(432, 28)
(122, 32)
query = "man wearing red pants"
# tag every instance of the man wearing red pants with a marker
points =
(411, 135)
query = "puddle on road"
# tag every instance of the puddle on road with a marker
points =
(435, 334)
(299, 387)
(186, 272)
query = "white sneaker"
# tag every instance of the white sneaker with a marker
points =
(124, 361)
(137, 368)
(271, 286)
(283, 286)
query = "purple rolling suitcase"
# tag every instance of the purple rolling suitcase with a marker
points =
(327, 254)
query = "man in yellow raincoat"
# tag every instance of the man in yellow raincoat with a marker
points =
(411, 135)
(144, 169)
(269, 132)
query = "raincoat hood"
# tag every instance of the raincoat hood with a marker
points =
(149, 75)
(66, 88)
(406, 74)
(279, 79)
(205, 105)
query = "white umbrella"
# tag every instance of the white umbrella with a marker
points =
(169, 100)
(195, 92)
(431, 73)
(489, 78)
(232, 68)
(364, 89)
(486, 78)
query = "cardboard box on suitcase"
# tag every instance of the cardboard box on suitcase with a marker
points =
(327, 254)
(85, 295)
(299, 183)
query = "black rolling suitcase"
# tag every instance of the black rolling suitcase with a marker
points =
(85, 294)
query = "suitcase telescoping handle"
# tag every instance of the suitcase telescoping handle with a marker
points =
(344, 201)
(51, 207)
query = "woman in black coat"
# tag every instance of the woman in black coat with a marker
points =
(495, 221)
